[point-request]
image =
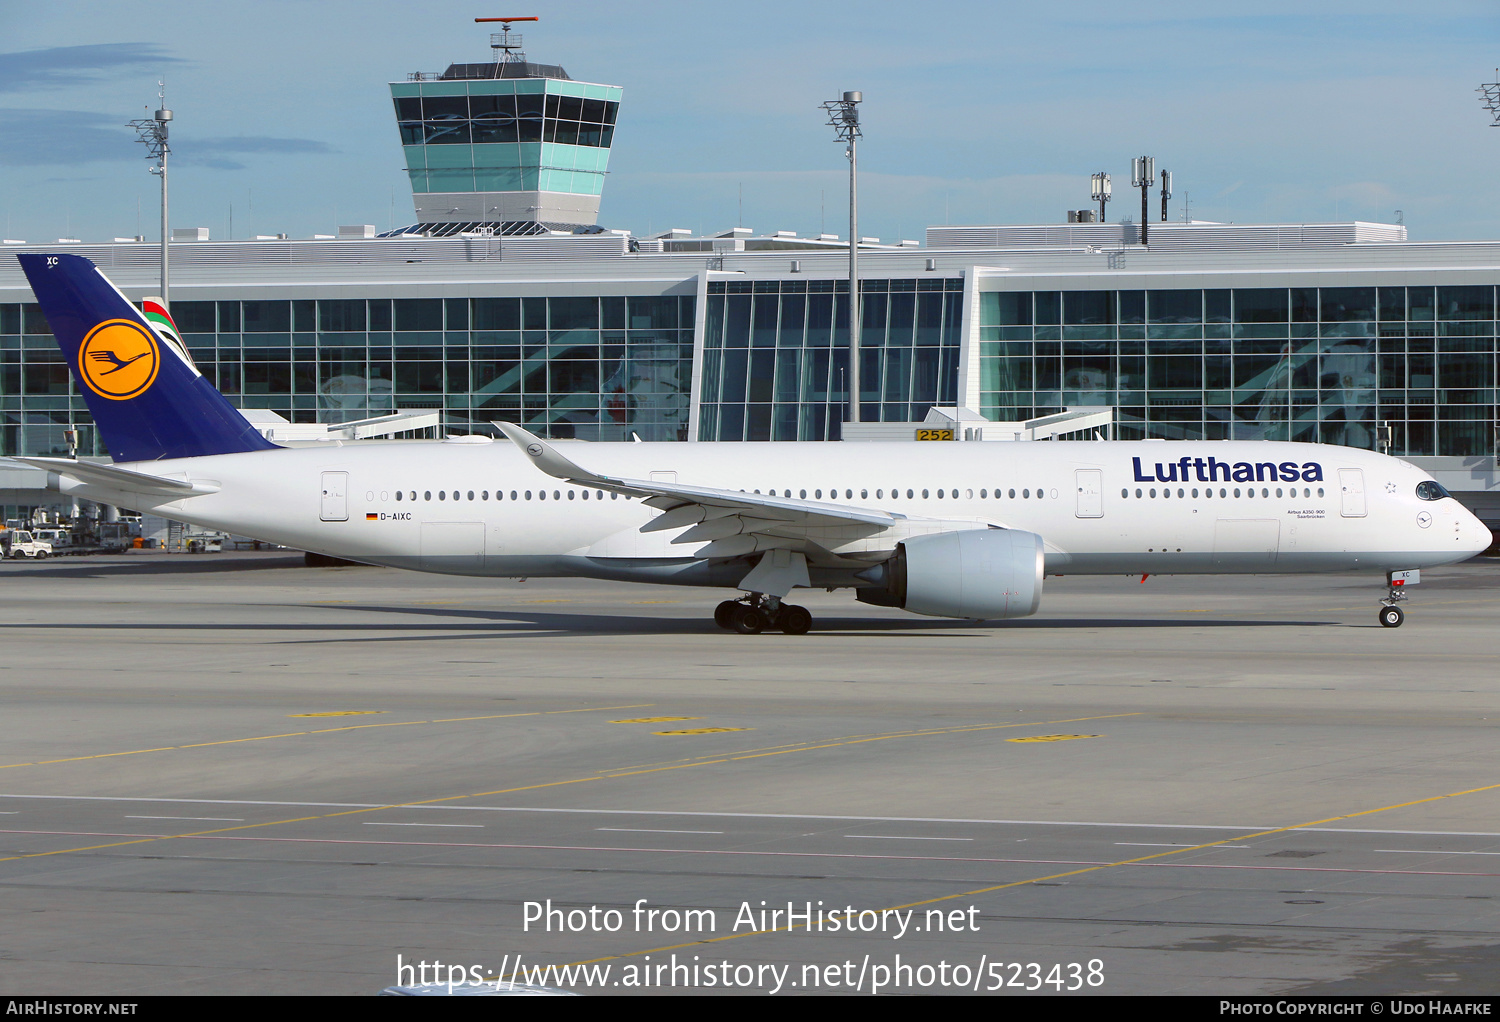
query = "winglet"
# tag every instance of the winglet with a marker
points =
(546, 457)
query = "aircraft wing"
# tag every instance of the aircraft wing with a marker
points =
(731, 522)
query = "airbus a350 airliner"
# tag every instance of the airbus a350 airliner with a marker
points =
(962, 530)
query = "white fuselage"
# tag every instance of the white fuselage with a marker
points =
(1156, 507)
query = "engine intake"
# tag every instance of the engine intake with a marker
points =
(977, 573)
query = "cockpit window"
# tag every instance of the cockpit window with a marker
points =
(1429, 489)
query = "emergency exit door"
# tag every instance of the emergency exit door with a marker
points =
(335, 506)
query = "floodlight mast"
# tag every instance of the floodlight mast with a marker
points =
(153, 132)
(1489, 95)
(1143, 176)
(843, 117)
(1100, 192)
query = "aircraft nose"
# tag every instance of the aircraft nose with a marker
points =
(1483, 539)
(1477, 535)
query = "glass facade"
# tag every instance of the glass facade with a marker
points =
(506, 135)
(1310, 364)
(586, 367)
(776, 355)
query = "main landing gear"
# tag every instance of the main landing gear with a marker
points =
(756, 613)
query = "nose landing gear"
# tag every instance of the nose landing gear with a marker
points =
(756, 613)
(1396, 583)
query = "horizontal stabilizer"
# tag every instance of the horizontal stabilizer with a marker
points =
(124, 479)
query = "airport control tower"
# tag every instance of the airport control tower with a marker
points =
(506, 145)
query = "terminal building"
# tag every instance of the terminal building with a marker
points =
(505, 300)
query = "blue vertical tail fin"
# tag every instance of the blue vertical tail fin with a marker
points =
(148, 400)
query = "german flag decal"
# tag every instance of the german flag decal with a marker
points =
(371, 516)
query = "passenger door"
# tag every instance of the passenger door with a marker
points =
(1090, 485)
(335, 504)
(1352, 492)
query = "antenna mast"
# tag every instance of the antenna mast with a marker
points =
(507, 47)
(153, 132)
(843, 117)
(1489, 95)
(1143, 176)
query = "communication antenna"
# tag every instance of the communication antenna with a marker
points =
(1489, 95)
(843, 118)
(153, 133)
(1143, 176)
(1166, 192)
(507, 47)
(1100, 191)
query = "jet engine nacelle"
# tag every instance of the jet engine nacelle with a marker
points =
(977, 573)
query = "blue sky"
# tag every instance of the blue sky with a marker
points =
(990, 112)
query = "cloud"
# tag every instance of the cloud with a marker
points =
(46, 137)
(216, 152)
(37, 137)
(61, 66)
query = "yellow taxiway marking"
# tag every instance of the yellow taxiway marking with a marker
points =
(703, 731)
(1052, 738)
(1070, 873)
(652, 720)
(320, 731)
(879, 736)
(338, 713)
(482, 794)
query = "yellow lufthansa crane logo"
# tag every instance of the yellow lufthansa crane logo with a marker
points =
(119, 359)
